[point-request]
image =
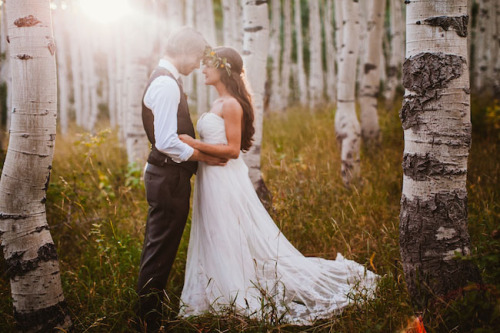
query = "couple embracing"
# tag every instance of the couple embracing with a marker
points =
(237, 257)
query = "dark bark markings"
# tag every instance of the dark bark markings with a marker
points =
(392, 71)
(369, 67)
(424, 75)
(254, 29)
(18, 267)
(420, 167)
(27, 21)
(44, 320)
(427, 272)
(458, 23)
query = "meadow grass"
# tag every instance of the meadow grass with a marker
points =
(96, 208)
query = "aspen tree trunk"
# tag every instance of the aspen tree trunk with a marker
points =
(189, 81)
(287, 54)
(316, 85)
(76, 69)
(29, 251)
(175, 14)
(396, 52)
(339, 24)
(482, 45)
(491, 48)
(112, 79)
(139, 43)
(496, 71)
(205, 23)
(347, 128)
(275, 55)
(62, 66)
(90, 82)
(5, 65)
(122, 59)
(301, 74)
(227, 22)
(255, 50)
(331, 52)
(232, 24)
(364, 13)
(86, 108)
(370, 81)
(437, 131)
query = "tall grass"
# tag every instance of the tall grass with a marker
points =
(97, 210)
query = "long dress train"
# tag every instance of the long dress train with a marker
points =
(238, 258)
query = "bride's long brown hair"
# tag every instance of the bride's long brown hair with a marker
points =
(235, 85)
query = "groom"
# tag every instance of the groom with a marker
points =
(171, 164)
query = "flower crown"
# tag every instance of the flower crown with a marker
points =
(214, 60)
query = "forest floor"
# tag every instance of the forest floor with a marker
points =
(96, 208)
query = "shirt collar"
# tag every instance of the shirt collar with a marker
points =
(170, 67)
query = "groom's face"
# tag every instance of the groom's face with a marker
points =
(190, 63)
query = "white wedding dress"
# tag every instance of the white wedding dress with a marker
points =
(239, 260)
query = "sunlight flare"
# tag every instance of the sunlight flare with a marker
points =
(105, 11)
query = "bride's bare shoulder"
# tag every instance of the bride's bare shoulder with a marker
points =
(231, 106)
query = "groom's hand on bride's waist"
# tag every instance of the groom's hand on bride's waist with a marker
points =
(209, 159)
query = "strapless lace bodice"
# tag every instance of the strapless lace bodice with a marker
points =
(211, 128)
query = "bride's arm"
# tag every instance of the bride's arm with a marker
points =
(232, 114)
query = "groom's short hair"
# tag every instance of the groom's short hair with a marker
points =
(185, 41)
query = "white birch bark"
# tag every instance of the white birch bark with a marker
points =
(301, 74)
(76, 70)
(205, 23)
(482, 45)
(122, 59)
(338, 8)
(111, 59)
(275, 55)
(5, 65)
(59, 19)
(190, 14)
(287, 54)
(396, 51)
(492, 47)
(370, 81)
(139, 42)
(175, 14)
(347, 127)
(28, 248)
(364, 12)
(255, 50)
(437, 131)
(232, 24)
(90, 82)
(331, 77)
(496, 56)
(316, 76)
(188, 81)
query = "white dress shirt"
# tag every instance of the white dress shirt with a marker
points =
(163, 97)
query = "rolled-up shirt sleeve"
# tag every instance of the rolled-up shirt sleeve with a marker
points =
(163, 97)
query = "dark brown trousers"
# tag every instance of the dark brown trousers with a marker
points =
(168, 189)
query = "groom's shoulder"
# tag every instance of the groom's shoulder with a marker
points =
(163, 86)
(165, 81)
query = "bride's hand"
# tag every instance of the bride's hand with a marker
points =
(187, 139)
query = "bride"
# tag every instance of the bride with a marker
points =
(238, 259)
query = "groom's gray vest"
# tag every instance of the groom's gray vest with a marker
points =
(184, 125)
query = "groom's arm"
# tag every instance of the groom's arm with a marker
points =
(163, 97)
(209, 159)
